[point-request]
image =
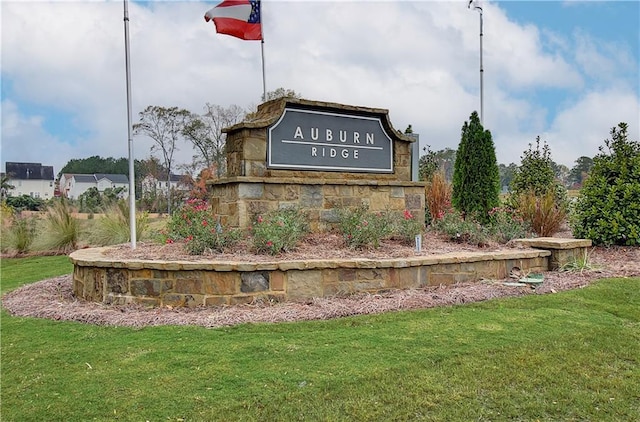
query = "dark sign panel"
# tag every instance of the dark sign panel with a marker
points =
(316, 140)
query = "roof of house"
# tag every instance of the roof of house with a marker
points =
(115, 178)
(163, 177)
(93, 178)
(29, 171)
(84, 178)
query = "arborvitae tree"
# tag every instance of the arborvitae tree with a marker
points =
(476, 178)
(608, 208)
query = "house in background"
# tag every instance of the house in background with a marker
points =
(177, 182)
(74, 185)
(31, 179)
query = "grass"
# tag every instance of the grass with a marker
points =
(15, 272)
(568, 356)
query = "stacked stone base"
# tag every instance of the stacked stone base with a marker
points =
(207, 283)
(239, 200)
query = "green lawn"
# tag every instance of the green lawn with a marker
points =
(570, 356)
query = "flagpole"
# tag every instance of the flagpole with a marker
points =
(132, 184)
(264, 78)
(479, 9)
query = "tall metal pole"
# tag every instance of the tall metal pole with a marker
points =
(132, 180)
(264, 78)
(479, 9)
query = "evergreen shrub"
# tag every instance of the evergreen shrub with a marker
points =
(476, 177)
(607, 209)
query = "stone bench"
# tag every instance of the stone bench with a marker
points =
(563, 251)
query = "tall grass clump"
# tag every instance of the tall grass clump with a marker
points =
(6, 219)
(543, 212)
(20, 235)
(62, 231)
(279, 231)
(114, 227)
(437, 196)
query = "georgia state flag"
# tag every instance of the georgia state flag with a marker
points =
(238, 18)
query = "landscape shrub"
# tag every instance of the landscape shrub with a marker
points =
(361, 228)
(25, 203)
(408, 227)
(507, 224)
(607, 209)
(535, 173)
(196, 225)
(461, 230)
(279, 231)
(114, 226)
(437, 196)
(476, 177)
(62, 231)
(543, 212)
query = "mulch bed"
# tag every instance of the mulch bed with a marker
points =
(53, 299)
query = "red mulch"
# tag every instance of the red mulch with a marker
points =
(53, 298)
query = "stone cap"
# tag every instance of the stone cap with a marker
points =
(314, 181)
(97, 257)
(553, 243)
(269, 112)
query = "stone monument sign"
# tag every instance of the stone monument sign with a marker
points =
(317, 156)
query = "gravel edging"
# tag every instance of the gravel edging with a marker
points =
(53, 299)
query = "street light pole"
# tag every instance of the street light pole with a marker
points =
(132, 182)
(479, 9)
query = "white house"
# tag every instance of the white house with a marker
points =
(150, 184)
(31, 179)
(74, 185)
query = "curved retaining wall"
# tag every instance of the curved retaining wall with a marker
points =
(98, 278)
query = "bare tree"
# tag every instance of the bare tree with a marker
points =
(205, 133)
(165, 127)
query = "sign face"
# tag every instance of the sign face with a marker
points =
(315, 140)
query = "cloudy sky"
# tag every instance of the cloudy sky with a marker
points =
(565, 70)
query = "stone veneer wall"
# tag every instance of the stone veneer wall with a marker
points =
(207, 283)
(250, 188)
(239, 199)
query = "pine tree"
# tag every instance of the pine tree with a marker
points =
(476, 178)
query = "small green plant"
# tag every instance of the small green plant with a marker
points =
(114, 226)
(198, 227)
(507, 224)
(461, 230)
(580, 263)
(62, 230)
(279, 231)
(361, 228)
(408, 227)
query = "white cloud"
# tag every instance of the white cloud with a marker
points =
(417, 59)
(582, 127)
